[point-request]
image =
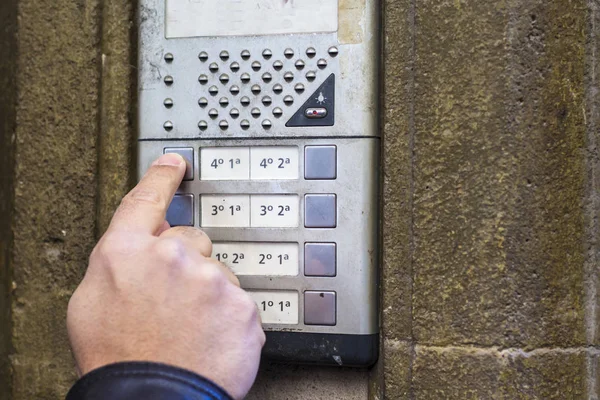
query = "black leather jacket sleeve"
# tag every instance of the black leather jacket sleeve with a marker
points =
(144, 381)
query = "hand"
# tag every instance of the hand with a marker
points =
(151, 293)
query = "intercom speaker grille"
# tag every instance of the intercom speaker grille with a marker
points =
(252, 89)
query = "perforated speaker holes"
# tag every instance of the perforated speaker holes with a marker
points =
(237, 88)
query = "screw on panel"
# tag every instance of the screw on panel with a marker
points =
(224, 78)
(266, 77)
(256, 66)
(203, 56)
(288, 100)
(267, 101)
(322, 63)
(311, 76)
(245, 78)
(255, 112)
(169, 57)
(234, 113)
(169, 80)
(224, 55)
(213, 90)
(203, 102)
(245, 101)
(333, 51)
(288, 53)
(213, 67)
(168, 126)
(299, 88)
(255, 89)
(245, 54)
(235, 66)
(203, 125)
(267, 54)
(223, 101)
(213, 113)
(266, 124)
(245, 124)
(311, 52)
(203, 79)
(234, 90)
(277, 65)
(288, 76)
(277, 112)
(277, 88)
(168, 103)
(223, 125)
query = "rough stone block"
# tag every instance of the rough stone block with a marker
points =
(40, 379)
(116, 171)
(397, 374)
(498, 218)
(397, 189)
(463, 373)
(8, 101)
(55, 184)
(592, 204)
(294, 382)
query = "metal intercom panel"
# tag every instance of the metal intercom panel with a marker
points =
(274, 104)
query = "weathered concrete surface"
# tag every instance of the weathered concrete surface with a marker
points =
(116, 155)
(397, 122)
(393, 373)
(499, 173)
(57, 127)
(491, 203)
(592, 204)
(398, 371)
(8, 101)
(293, 382)
(470, 373)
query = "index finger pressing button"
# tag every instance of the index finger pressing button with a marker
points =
(188, 155)
(145, 206)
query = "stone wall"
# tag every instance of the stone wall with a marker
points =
(490, 198)
(491, 201)
(8, 101)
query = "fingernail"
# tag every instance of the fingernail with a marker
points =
(172, 159)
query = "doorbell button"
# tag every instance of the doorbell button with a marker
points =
(181, 210)
(320, 162)
(320, 259)
(319, 308)
(320, 211)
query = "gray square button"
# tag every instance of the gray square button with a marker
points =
(181, 210)
(188, 154)
(319, 308)
(320, 162)
(320, 211)
(319, 259)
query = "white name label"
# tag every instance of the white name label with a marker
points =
(258, 259)
(225, 211)
(277, 162)
(275, 211)
(224, 163)
(189, 18)
(277, 307)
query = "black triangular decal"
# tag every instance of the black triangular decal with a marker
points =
(322, 101)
